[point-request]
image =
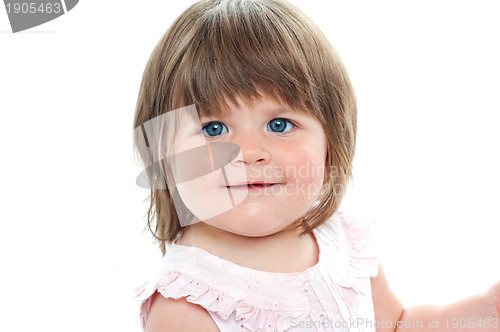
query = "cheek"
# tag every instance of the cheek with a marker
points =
(305, 161)
(305, 171)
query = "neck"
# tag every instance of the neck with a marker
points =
(273, 253)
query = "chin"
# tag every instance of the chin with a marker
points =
(251, 227)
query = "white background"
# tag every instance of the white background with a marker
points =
(426, 76)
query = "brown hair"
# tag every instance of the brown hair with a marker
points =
(225, 49)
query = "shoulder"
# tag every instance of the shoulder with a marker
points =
(167, 314)
(350, 245)
(360, 232)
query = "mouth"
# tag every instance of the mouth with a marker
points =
(253, 186)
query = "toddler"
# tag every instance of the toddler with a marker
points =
(246, 126)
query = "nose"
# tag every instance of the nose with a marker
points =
(253, 150)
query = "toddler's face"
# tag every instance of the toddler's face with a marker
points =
(269, 143)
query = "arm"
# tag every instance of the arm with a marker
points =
(477, 313)
(178, 316)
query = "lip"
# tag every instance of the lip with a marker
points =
(246, 183)
(253, 185)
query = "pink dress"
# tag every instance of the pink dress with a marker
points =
(333, 295)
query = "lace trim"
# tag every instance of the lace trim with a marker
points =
(254, 318)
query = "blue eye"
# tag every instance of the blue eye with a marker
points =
(279, 125)
(213, 128)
